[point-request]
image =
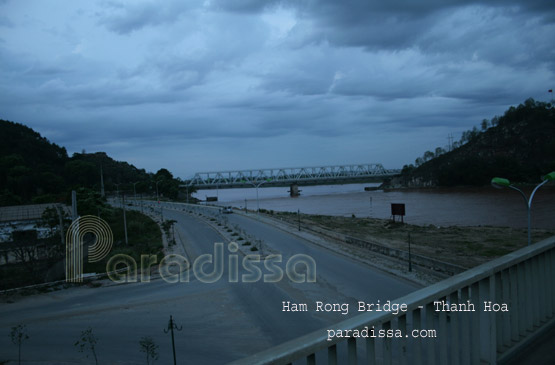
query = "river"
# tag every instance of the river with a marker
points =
(441, 207)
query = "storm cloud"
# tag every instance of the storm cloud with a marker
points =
(220, 84)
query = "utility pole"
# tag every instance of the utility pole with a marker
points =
(157, 196)
(124, 220)
(410, 258)
(135, 191)
(73, 205)
(101, 182)
(61, 223)
(171, 327)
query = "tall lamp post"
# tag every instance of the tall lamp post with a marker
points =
(117, 191)
(157, 198)
(171, 327)
(499, 183)
(135, 191)
(257, 186)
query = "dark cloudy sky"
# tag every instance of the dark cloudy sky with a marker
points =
(226, 84)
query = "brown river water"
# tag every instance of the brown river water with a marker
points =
(485, 206)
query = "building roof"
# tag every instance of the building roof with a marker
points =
(27, 212)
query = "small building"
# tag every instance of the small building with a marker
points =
(20, 227)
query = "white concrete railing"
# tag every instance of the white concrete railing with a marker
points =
(522, 279)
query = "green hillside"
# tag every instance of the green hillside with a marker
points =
(520, 145)
(34, 170)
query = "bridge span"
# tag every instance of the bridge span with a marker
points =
(290, 176)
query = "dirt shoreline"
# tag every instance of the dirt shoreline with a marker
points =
(463, 246)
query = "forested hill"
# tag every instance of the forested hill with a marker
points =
(34, 170)
(520, 146)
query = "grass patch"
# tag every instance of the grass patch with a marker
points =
(144, 238)
(464, 246)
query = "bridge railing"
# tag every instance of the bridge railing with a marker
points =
(523, 280)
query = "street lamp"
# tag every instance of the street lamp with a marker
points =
(257, 186)
(117, 191)
(135, 191)
(499, 183)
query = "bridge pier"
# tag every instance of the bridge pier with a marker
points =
(294, 190)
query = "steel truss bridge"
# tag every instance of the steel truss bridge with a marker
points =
(291, 175)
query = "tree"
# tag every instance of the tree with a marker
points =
(474, 133)
(167, 226)
(407, 169)
(163, 174)
(167, 185)
(81, 173)
(89, 202)
(150, 348)
(439, 151)
(50, 219)
(51, 183)
(7, 198)
(87, 341)
(464, 137)
(484, 124)
(25, 250)
(428, 155)
(18, 335)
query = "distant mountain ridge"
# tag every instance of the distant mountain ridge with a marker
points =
(34, 170)
(520, 146)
